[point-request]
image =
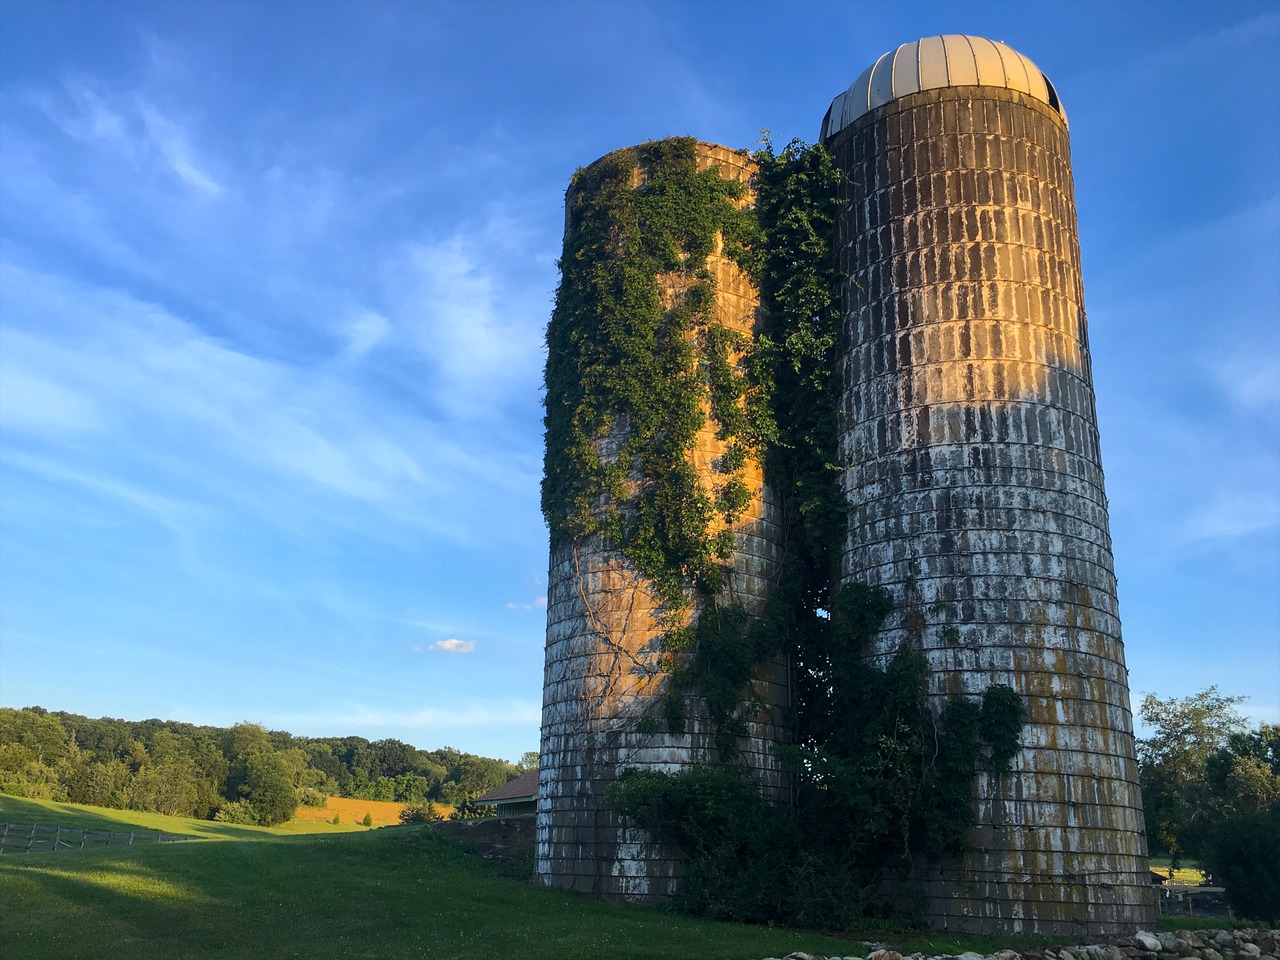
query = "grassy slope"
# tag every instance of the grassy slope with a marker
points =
(47, 813)
(400, 892)
(1188, 873)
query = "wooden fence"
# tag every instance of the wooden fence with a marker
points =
(33, 838)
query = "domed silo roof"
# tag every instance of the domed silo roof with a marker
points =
(953, 60)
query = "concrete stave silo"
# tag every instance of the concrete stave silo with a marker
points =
(974, 476)
(605, 677)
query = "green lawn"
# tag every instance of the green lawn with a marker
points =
(48, 813)
(395, 892)
(388, 893)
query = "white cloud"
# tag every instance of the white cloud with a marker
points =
(363, 332)
(363, 717)
(90, 118)
(29, 402)
(1234, 514)
(1250, 379)
(451, 305)
(128, 125)
(163, 404)
(170, 141)
(453, 645)
(167, 511)
(538, 603)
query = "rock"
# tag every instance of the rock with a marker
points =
(1168, 942)
(1007, 955)
(1147, 941)
(884, 955)
(1210, 954)
(967, 955)
(1250, 949)
(1223, 938)
(802, 956)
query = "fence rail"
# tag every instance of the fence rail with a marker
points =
(34, 838)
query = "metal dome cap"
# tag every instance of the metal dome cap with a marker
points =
(951, 60)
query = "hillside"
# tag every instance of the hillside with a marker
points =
(240, 774)
(392, 893)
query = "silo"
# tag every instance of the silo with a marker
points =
(607, 681)
(974, 478)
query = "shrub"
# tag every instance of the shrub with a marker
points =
(468, 809)
(236, 811)
(1243, 854)
(368, 820)
(336, 820)
(420, 813)
(313, 798)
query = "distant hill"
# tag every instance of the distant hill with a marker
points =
(240, 774)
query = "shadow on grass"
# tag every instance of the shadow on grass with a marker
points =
(47, 813)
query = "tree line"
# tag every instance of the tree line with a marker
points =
(240, 774)
(1211, 794)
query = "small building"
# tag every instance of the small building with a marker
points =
(515, 798)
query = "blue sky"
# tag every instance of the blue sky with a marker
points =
(274, 279)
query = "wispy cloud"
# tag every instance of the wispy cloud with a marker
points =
(30, 402)
(448, 302)
(364, 717)
(129, 125)
(164, 403)
(363, 332)
(172, 145)
(538, 603)
(1211, 44)
(1251, 379)
(1233, 514)
(169, 512)
(453, 645)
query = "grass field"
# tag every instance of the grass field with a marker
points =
(1185, 874)
(391, 893)
(319, 891)
(349, 811)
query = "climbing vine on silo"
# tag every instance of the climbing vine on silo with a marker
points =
(881, 780)
(627, 374)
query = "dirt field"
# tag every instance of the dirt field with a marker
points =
(351, 811)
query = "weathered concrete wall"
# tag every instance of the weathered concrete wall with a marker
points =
(603, 675)
(976, 489)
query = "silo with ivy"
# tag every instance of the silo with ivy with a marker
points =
(654, 495)
(973, 473)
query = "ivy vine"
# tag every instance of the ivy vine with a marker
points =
(628, 373)
(882, 781)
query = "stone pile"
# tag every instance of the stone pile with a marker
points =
(1181, 945)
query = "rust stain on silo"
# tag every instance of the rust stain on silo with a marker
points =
(967, 350)
(605, 672)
